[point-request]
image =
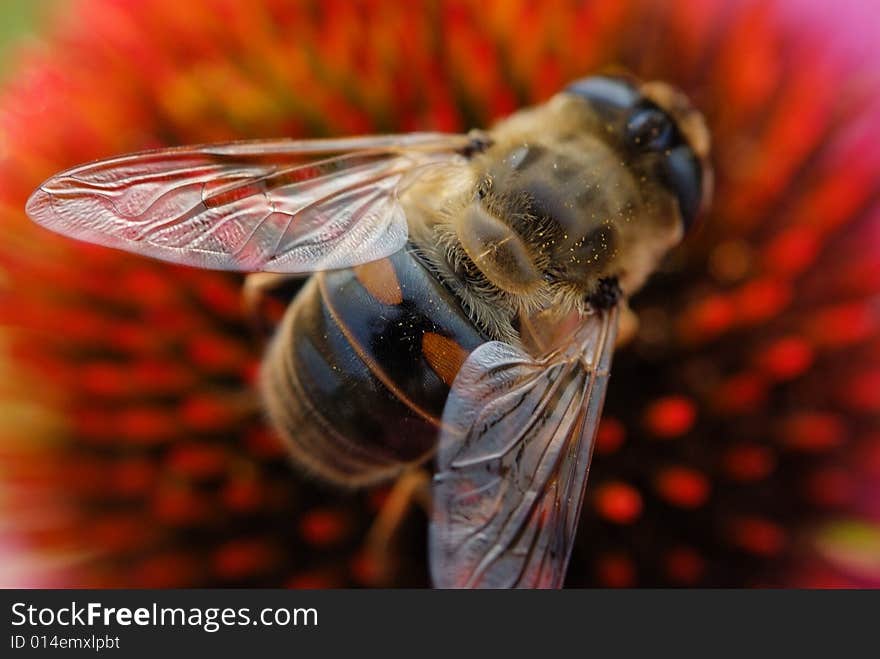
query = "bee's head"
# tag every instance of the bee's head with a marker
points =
(594, 185)
(659, 133)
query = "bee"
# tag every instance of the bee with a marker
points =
(462, 301)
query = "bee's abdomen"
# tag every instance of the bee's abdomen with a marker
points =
(358, 373)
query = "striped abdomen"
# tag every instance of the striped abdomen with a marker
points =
(357, 375)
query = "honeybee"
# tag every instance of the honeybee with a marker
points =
(465, 297)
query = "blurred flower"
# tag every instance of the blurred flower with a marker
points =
(741, 443)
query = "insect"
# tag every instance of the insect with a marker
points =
(465, 297)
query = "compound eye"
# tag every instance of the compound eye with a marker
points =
(683, 175)
(650, 129)
(605, 93)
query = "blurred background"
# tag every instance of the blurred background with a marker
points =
(20, 20)
(740, 445)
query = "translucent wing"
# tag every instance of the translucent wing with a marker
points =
(277, 206)
(513, 458)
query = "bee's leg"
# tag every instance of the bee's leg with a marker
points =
(413, 487)
(264, 298)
